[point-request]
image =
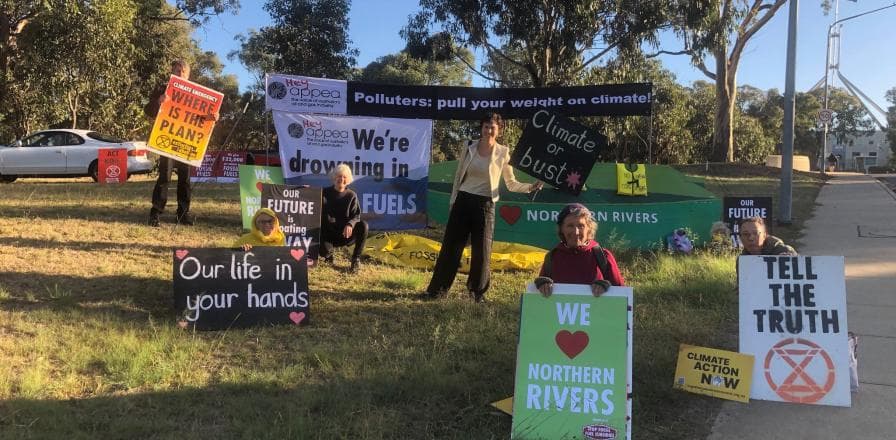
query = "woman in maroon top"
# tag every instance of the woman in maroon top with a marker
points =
(578, 259)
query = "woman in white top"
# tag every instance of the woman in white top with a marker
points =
(472, 213)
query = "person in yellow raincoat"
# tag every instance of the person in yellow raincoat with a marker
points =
(265, 231)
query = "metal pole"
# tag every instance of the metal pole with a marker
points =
(784, 200)
(827, 70)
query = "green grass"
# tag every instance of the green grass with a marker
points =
(89, 349)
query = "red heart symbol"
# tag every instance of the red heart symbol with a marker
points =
(571, 343)
(297, 317)
(258, 185)
(510, 214)
(297, 254)
(181, 253)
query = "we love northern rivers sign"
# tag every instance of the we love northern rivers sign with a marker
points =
(573, 371)
(216, 289)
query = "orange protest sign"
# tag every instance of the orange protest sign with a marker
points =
(182, 128)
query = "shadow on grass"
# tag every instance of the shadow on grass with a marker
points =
(138, 215)
(125, 294)
(82, 245)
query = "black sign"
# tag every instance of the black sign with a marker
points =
(216, 289)
(442, 102)
(557, 151)
(298, 209)
(736, 209)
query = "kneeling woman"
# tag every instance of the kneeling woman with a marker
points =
(578, 259)
(265, 231)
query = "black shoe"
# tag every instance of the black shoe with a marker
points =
(429, 295)
(186, 219)
(478, 298)
(328, 260)
(355, 267)
(153, 220)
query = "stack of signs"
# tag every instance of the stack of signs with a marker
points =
(217, 289)
(389, 159)
(573, 371)
(793, 321)
(717, 373)
(299, 211)
(736, 209)
(251, 179)
(219, 166)
(112, 165)
(182, 130)
(557, 151)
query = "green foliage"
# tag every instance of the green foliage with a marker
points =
(308, 37)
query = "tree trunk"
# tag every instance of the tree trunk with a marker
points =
(723, 124)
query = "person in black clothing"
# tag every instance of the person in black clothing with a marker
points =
(166, 164)
(340, 223)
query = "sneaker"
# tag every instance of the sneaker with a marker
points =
(478, 297)
(356, 266)
(153, 220)
(186, 219)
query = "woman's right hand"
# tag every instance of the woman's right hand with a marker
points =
(247, 247)
(546, 289)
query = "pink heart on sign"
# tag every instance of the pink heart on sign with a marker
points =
(297, 254)
(181, 253)
(297, 317)
(258, 185)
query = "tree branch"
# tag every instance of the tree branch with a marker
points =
(475, 70)
(666, 52)
(702, 66)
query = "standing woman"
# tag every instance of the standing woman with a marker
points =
(472, 212)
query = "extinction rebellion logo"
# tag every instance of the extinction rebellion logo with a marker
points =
(277, 90)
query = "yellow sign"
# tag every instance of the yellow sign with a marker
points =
(182, 128)
(412, 251)
(631, 181)
(717, 373)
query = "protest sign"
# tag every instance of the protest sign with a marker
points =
(793, 321)
(389, 159)
(716, 373)
(216, 289)
(301, 94)
(299, 211)
(573, 371)
(557, 151)
(736, 209)
(251, 179)
(182, 129)
(304, 94)
(112, 165)
(219, 167)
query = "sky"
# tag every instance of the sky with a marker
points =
(866, 59)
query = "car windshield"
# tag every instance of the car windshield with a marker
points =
(103, 138)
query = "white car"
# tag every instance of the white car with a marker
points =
(66, 153)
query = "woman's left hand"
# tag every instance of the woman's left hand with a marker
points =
(347, 231)
(537, 186)
(597, 290)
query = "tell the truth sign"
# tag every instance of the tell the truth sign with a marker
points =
(573, 371)
(793, 321)
(216, 289)
(557, 151)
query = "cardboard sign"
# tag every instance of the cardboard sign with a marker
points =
(181, 130)
(716, 373)
(299, 210)
(217, 289)
(112, 165)
(251, 179)
(389, 159)
(219, 167)
(557, 151)
(793, 321)
(573, 371)
(736, 209)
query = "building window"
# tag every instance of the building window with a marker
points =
(873, 154)
(856, 154)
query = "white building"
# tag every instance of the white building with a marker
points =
(857, 153)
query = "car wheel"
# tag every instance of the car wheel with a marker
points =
(93, 171)
(8, 178)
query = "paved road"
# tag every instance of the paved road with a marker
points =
(857, 219)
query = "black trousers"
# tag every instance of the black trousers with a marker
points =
(332, 239)
(472, 217)
(184, 190)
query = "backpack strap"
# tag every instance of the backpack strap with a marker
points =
(548, 266)
(600, 255)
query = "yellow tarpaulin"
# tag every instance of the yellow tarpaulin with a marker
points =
(412, 251)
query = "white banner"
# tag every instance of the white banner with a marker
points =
(388, 157)
(793, 321)
(303, 94)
